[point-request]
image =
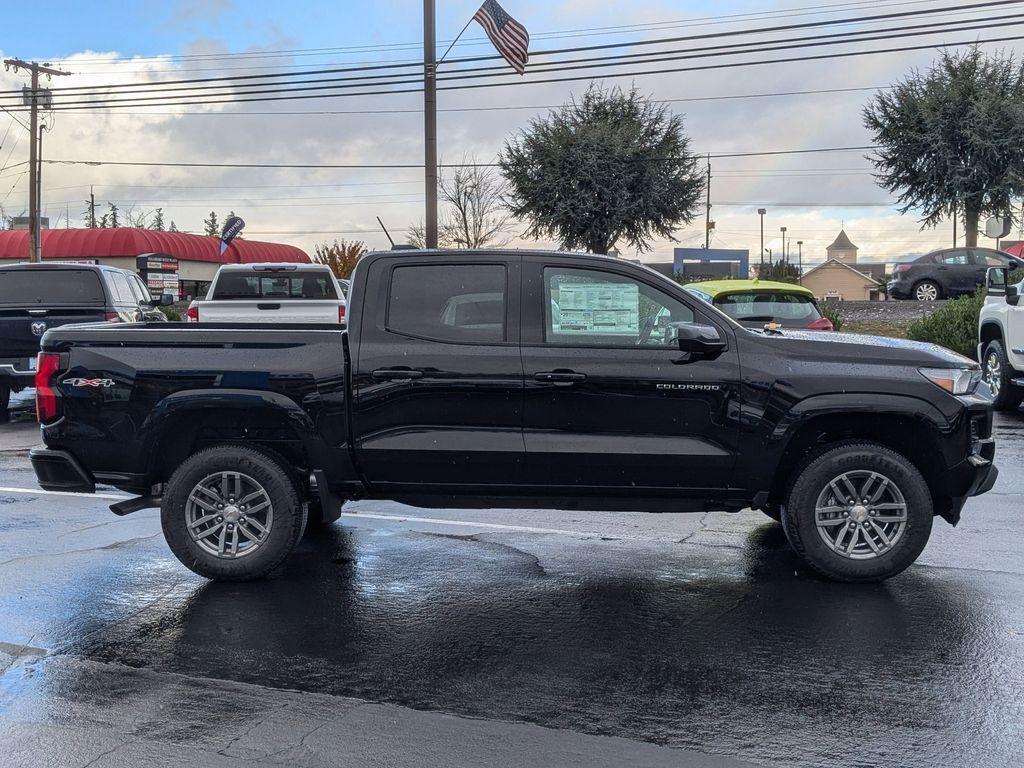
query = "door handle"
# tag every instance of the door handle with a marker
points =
(396, 374)
(560, 378)
(268, 306)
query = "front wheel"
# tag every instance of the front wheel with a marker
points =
(858, 512)
(998, 375)
(232, 513)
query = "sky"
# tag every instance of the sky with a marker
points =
(105, 42)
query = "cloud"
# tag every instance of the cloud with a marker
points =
(324, 202)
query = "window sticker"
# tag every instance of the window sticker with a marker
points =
(598, 308)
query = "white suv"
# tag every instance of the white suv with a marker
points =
(271, 293)
(1001, 338)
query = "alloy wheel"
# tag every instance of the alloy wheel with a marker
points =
(926, 292)
(861, 514)
(229, 515)
(993, 373)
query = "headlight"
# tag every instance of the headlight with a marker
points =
(956, 381)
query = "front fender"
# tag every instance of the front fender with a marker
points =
(853, 403)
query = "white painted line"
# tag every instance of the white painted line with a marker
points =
(41, 492)
(464, 523)
(358, 515)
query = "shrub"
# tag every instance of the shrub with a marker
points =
(832, 313)
(171, 314)
(955, 326)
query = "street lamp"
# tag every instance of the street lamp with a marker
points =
(800, 255)
(783, 230)
(761, 212)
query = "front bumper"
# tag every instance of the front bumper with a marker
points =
(897, 289)
(60, 471)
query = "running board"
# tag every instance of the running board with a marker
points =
(123, 508)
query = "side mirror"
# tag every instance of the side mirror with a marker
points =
(996, 280)
(702, 341)
(1012, 295)
(1014, 264)
(166, 299)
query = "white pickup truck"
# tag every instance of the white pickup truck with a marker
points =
(271, 293)
(1001, 339)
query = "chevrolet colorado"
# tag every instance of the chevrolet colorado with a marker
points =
(508, 378)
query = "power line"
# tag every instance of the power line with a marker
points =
(577, 49)
(576, 78)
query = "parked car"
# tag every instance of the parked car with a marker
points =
(36, 297)
(1001, 340)
(753, 303)
(241, 435)
(271, 293)
(944, 274)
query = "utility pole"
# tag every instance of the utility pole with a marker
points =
(707, 208)
(954, 226)
(800, 255)
(430, 123)
(92, 209)
(761, 212)
(32, 98)
(785, 258)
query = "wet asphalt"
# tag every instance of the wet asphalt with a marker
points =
(403, 636)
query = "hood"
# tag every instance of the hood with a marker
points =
(861, 346)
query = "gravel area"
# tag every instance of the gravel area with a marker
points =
(896, 312)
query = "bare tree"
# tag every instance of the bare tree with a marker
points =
(138, 218)
(474, 213)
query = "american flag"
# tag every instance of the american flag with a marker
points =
(508, 35)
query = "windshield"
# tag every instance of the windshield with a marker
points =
(297, 284)
(784, 308)
(50, 286)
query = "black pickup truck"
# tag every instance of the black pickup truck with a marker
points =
(35, 297)
(505, 379)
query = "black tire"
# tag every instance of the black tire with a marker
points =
(774, 512)
(926, 287)
(999, 374)
(5, 399)
(283, 532)
(813, 480)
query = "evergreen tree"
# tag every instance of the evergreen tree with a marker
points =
(210, 225)
(950, 139)
(158, 220)
(612, 166)
(173, 227)
(111, 216)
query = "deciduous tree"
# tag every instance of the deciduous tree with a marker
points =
(340, 256)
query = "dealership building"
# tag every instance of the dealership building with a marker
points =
(169, 262)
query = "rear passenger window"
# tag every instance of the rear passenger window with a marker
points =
(121, 290)
(451, 302)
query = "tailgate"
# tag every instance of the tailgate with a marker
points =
(269, 310)
(21, 329)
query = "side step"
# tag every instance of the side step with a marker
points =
(128, 506)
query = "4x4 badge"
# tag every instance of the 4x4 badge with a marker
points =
(89, 382)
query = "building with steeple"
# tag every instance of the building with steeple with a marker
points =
(842, 249)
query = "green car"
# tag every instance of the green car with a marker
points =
(756, 302)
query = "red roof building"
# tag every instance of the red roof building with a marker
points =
(128, 242)
(198, 256)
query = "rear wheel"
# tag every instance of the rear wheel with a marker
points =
(927, 290)
(858, 512)
(998, 375)
(232, 513)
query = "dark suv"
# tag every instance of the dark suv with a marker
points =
(36, 297)
(945, 274)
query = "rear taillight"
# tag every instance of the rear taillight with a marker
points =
(902, 267)
(47, 397)
(112, 317)
(821, 324)
(341, 313)
(192, 314)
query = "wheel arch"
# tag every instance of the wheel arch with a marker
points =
(903, 424)
(990, 330)
(185, 422)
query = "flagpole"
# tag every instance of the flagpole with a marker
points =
(441, 60)
(430, 124)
